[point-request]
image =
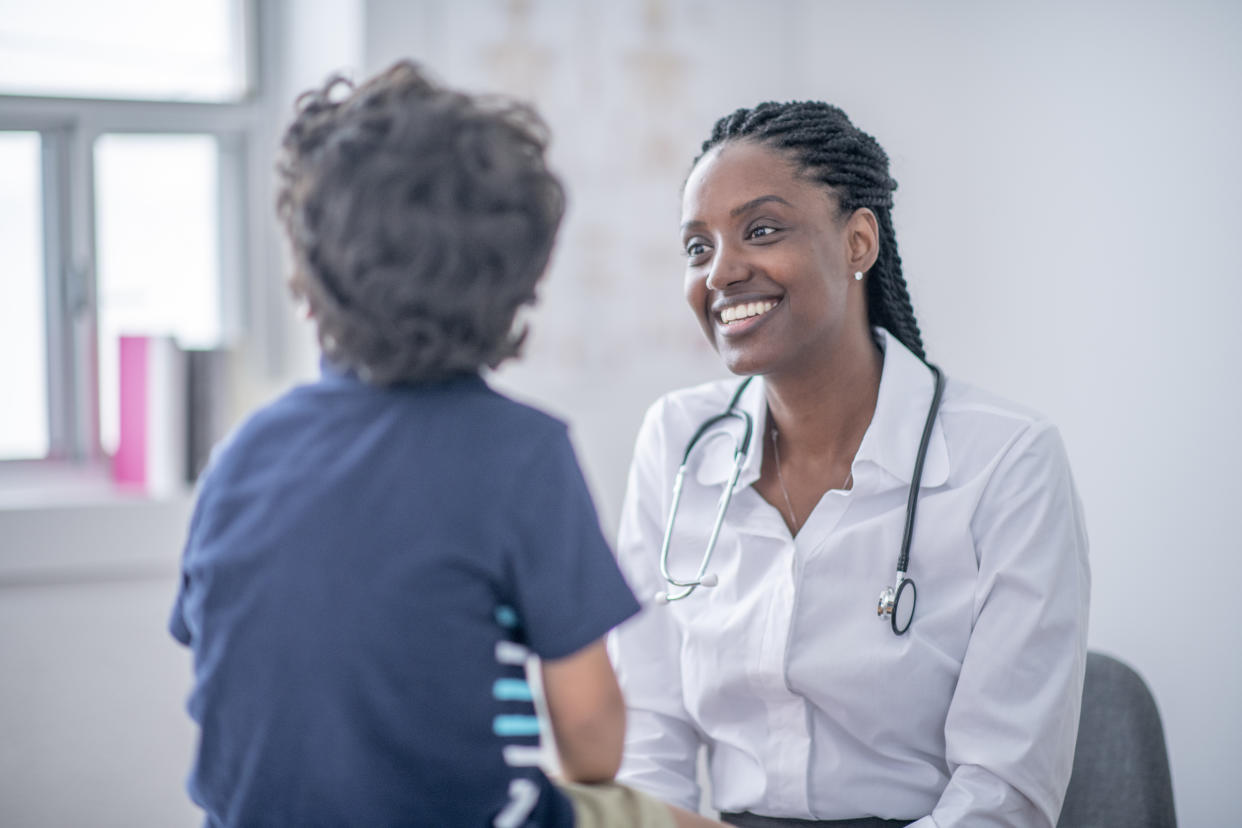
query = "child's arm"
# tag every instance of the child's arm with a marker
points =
(587, 713)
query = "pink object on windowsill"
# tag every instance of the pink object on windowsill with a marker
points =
(129, 464)
(151, 451)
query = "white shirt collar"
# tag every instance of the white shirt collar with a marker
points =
(892, 439)
(891, 442)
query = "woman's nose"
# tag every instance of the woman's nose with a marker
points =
(728, 268)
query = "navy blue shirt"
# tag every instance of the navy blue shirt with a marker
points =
(362, 566)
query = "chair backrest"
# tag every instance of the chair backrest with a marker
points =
(1121, 765)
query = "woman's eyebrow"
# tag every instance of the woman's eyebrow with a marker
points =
(737, 211)
(755, 202)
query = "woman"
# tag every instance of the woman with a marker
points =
(810, 707)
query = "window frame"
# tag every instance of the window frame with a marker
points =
(68, 128)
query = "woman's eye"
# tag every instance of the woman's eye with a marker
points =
(761, 230)
(694, 249)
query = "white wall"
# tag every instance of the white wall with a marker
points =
(1070, 196)
(93, 728)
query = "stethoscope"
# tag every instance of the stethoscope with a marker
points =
(891, 605)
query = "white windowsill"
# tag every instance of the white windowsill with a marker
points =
(61, 523)
(49, 485)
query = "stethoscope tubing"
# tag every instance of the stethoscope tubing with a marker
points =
(740, 452)
(916, 479)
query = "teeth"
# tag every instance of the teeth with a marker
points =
(745, 310)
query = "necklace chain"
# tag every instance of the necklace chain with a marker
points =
(776, 451)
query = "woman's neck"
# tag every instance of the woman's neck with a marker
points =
(823, 410)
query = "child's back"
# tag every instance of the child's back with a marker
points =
(356, 556)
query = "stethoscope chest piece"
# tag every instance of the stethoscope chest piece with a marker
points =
(897, 603)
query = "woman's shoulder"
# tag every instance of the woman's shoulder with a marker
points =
(981, 427)
(964, 399)
(673, 418)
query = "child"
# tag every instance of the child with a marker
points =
(373, 555)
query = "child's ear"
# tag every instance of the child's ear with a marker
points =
(301, 302)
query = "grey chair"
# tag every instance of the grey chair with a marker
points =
(1121, 765)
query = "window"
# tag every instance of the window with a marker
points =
(125, 132)
(157, 243)
(190, 50)
(24, 418)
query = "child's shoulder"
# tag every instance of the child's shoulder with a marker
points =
(519, 414)
(487, 416)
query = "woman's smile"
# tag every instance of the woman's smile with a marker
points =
(735, 317)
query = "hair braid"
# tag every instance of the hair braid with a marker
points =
(824, 142)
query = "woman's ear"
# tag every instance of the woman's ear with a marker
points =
(862, 240)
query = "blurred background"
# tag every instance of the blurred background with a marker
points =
(1068, 215)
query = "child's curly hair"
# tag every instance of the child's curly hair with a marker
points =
(420, 220)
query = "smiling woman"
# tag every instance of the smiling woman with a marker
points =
(771, 250)
(781, 669)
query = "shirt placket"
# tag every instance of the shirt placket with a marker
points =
(786, 744)
(789, 738)
(791, 735)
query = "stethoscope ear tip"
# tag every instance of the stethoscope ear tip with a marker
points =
(661, 597)
(709, 580)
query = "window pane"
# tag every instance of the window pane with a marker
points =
(157, 248)
(23, 340)
(185, 50)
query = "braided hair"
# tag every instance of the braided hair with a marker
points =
(825, 144)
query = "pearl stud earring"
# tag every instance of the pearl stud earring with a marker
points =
(857, 275)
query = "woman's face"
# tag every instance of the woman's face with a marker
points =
(769, 264)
